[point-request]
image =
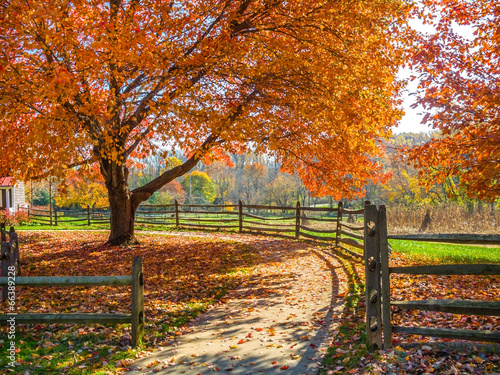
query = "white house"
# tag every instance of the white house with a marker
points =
(11, 196)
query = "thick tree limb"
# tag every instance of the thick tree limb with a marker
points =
(144, 192)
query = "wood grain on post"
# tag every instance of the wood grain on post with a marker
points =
(137, 301)
(372, 275)
(385, 281)
(14, 251)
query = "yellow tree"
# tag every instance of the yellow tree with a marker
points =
(93, 81)
(82, 189)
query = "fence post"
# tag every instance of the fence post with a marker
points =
(240, 216)
(386, 283)
(3, 235)
(50, 212)
(137, 302)
(88, 215)
(4, 259)
(372, 278)
(15, 260)
(55, 216)
(340, 209)
(176, 214)
(297, 220)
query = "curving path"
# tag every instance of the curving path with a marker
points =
(280, 321)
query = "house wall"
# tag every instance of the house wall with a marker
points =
(19, 196)
(13, 198)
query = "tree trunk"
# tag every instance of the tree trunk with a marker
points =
(121, 204)
(122, 218)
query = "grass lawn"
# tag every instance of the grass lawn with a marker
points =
(447, 253)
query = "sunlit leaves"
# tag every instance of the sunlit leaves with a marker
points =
(311, 82)
(459, 78)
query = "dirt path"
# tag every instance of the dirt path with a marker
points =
(280, 321)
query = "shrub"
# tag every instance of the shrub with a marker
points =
(14, 218)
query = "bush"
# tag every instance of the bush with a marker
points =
(14, 218)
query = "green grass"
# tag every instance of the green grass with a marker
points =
(449, 253)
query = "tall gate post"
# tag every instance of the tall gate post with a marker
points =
(137, 301)
(386, 286)
(372, 278)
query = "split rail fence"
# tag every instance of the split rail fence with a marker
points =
(379, 328)
(328, 224)
(136, 317)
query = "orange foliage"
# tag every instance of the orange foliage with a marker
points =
(460, 89)
(311, 82)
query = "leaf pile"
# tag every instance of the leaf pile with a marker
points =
(183, 277)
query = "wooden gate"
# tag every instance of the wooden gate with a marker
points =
(379, 328)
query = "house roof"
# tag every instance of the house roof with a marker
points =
(5, 181)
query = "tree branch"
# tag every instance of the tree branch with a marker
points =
(142, 193)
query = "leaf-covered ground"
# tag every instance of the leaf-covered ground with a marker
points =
(187, 274)
(183, 277)
(348, 354)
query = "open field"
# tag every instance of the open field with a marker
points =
(447, 253)
(451, 218)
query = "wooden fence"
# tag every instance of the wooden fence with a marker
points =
(326, 224)
(378, 302)
(136, 317)
(9, 255)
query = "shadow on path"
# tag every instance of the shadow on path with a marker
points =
(281, 320)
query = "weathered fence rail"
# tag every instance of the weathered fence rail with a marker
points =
(450, 238)
(379, 328)
(135, 280)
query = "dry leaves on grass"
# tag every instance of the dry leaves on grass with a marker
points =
(183, 276)
(423, 358)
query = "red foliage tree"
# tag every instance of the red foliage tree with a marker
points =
(460, 90)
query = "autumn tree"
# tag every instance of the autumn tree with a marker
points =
(222, 177)
(311, 82)
(82, 189)
(459, 73)
(198, 183)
